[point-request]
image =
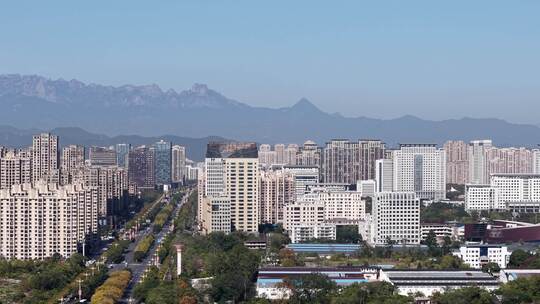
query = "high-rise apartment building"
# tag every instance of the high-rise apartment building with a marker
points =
(277, 189)
(457, 162)
(280, 154)
(141, 167)
(214, 177)
(485, 160)
(369, 152)
(509, 161)
(102, 156)
(45, 158)
(231, 171)
(420, 168)
(267, 157)
(242, 187)
(396, 218)
(536, 161)
(15, 169)
(72, 159)
(309, 155)
(303, 177)
(340, 162)
(110, 181)
(37, 222)
(384, 175)
(162, 160)
(290, 154)
(178, 164)
(478, 165)
(122, 151)
(201, 195)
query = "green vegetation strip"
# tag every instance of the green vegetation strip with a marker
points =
(162, 217)
(113, 289)
(142, 248)
(148, 212)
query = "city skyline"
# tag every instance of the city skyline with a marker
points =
(380, 60)
(269, 152)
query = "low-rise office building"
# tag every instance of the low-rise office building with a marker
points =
(520, 192)
(303, 213)
(441, 231)
(475, 256)
(216, 214)
(303, 233)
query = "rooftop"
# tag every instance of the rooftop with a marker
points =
(440, 277)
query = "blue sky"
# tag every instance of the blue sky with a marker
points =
(379, 59)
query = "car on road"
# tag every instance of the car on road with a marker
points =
(90, 262)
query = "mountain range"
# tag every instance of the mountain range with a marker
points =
(35, 102)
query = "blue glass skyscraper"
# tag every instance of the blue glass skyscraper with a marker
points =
(162, 162)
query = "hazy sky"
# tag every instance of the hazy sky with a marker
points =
(388, 59)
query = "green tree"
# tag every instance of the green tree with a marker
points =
(376, 292)
(165, 293)
(467, 295)
(451, 262)
(233, 271)
(348, 234)
(522, 290)
(150, 282)
(431, 243)
(491, 268)
(311, 288)
(442, 212)
(518, 257)
(446, 246)
(366, 250)
(389, 248)
(277, 241)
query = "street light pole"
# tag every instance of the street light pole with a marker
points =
(80, 289)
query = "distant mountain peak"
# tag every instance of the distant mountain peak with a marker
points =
(304, 105)
(409, 117)
(200, 89)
